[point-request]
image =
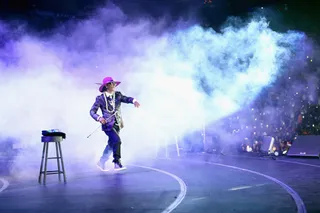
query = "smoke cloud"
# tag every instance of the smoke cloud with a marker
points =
(182, 77)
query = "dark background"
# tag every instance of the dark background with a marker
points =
(284, 14)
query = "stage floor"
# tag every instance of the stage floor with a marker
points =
(194, 183)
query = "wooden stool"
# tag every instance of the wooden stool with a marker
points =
(46, 139)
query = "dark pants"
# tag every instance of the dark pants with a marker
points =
(114, 146)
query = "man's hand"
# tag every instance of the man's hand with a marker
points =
(136, 104)
(102, 120)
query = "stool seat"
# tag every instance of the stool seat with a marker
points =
(53, 133)
(47, 138)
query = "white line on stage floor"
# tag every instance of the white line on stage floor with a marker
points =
(183, 188)
(5, 184)
(297, 199)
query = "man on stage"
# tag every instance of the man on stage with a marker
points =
(110, 104)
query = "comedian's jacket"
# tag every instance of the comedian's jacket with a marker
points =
(107, 114)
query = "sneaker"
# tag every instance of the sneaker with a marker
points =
(101, 166)
(118, 166)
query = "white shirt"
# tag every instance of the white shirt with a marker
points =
(108, 94)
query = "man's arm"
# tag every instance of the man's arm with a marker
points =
(125, 99)
(94, 109)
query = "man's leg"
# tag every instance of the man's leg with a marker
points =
(115, 144)
(105, 156)
(117, 152)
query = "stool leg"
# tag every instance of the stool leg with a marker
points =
(41, 165)
(58, 161)
(45, 164)
(62, 164)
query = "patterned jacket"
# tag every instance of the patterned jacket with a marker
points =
(111, 114)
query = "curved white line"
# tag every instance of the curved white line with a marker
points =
(183, 188)
(283, 161)
(297, 199)
(5, 184)
(299, 163)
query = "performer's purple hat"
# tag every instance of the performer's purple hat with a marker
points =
(105, 81)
